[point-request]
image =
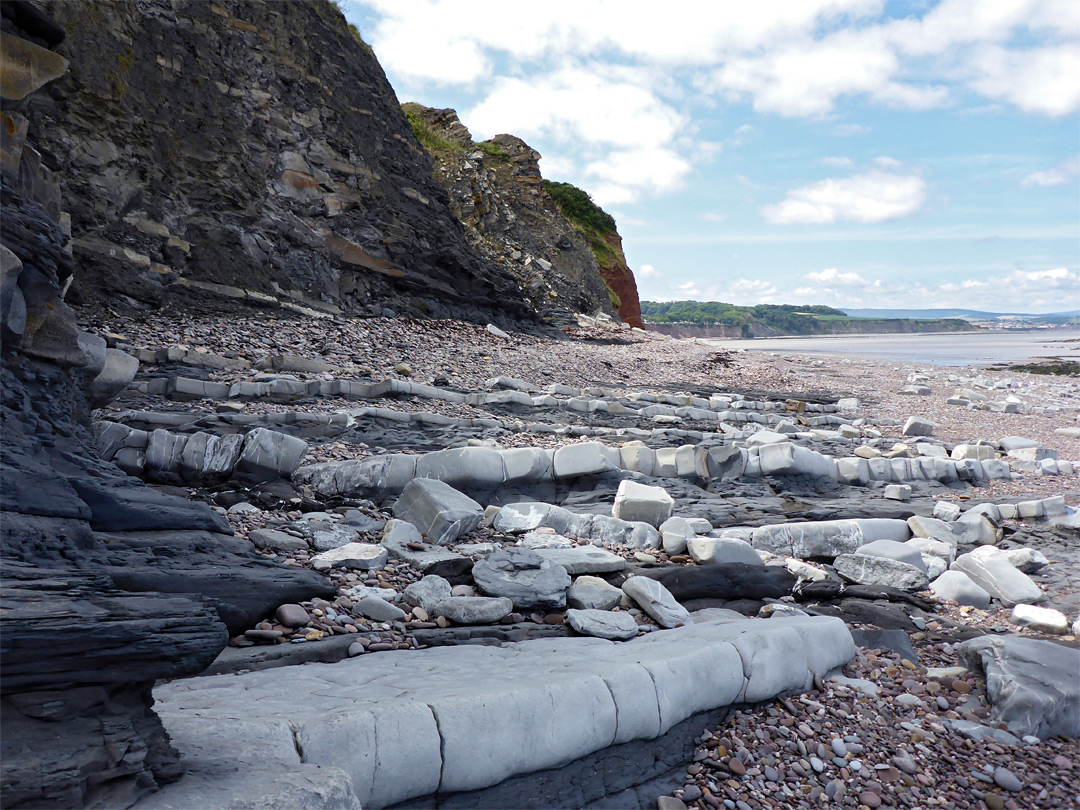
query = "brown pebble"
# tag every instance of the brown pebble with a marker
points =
(554, 618)
(735, 766)
(963, 687)
(870, 799)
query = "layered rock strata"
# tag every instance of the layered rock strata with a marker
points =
(249, 152)
(107, 585)
(497, 192)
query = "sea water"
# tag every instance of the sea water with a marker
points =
(938, 349)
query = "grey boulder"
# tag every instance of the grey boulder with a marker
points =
(428, 592)
(524, 577)
(891, 550)
(267, 455)
(959, 587)
(593, 593)
(474, 609)
(990, 569)
(867, 569)
(657, 601)
(324, 535)
(1032, 684)
(720, 550)
(437, 510)
(379, 610)
(615, 626)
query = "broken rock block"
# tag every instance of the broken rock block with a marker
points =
(719, 550)
(359, 556)
(593, 593)
(639, 502)
(524, 577)
(267, 455)
(991, 570)
(868, 569)
(474, 609)
(657, 601)
(437, 510)
(615, 626)
(583, 560)
(915, 426)
(959, 587)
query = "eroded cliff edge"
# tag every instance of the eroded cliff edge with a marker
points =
(562, 248)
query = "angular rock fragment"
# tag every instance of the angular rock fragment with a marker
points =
(593, 593)
(638, 502)
(719, 550)
(357, 556)
(438, 511)
(990, 569)
(867, 569)
(656, 601)
(523, 576)
(583, 560)
(959, 587)
(1032, 684)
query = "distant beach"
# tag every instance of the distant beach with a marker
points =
(952, 349)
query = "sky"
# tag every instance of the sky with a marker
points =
(853, 153)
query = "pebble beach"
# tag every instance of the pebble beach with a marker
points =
(878, 734)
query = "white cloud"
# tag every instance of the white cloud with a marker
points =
(613, 91)
(747, 291)
(710, 216)
(1061, 174)
(629, 129)
(1037, 80)
(832, 276)
(847, 130)
(648, 271)
(837, 162)
(873, 196)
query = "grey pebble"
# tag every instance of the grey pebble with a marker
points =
(691, 793)
(1004, 778)
(817, 764)
(838, 747)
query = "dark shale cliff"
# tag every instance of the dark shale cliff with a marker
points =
(249, 150)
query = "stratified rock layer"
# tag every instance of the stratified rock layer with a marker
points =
(249, 152)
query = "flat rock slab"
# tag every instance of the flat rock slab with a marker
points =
(583, 560)
(387, 727)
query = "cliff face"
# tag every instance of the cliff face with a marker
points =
(106, 585)
(496, 190)
(252, 145)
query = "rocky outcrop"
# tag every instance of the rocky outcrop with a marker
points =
(249, 152)
(496, 190)
(107, 585)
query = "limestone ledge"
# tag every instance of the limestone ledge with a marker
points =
(386, 727)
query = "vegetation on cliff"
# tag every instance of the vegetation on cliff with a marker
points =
(783, 319)
(593, 221)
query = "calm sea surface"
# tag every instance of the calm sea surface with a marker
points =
(957, 349)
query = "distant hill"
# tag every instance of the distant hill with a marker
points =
(717, 319)
(966, 314)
